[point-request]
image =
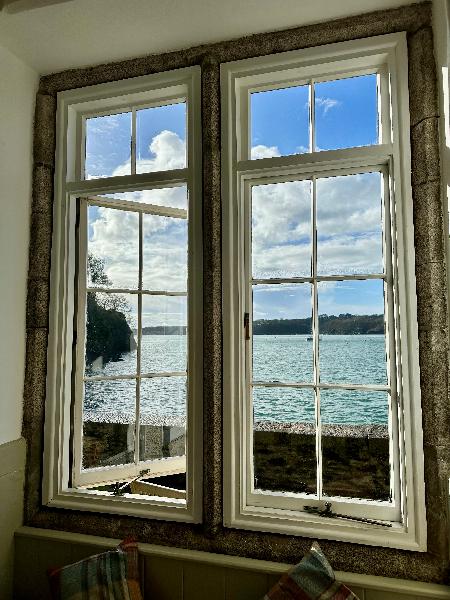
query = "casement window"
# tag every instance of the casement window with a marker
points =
(321, 375)
(123, 421)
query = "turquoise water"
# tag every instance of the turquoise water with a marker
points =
(351, 359)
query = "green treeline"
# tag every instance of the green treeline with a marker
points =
(344, 324)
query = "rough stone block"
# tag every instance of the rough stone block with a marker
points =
(434, 388)
(423, 98)
(40, 246)
(35, 381)
(428, 223)
(38, 303)
(44, 130)
(425, 151)
(42, 189)
(431, 294)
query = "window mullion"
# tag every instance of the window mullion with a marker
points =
(139, 343)
(315, 334)
(312, 117)
(133, 141)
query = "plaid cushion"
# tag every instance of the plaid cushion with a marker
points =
(112, 575)
(312, 579)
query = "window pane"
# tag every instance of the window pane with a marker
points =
(163, 417)
(164, 329)
(282, 348)
(355, 444)
(161, 138)
(346, 113)
(279, 122)
(352, 345)
(349, 224)
(165, 253)
(113, 248)
(173, 197)
(111, 322)
(281, 230)
(108, 143)
(108, 422)
(284, 440)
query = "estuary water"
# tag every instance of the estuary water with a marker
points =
(277, 359)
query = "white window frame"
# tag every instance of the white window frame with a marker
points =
(60, 479)
(243, 508)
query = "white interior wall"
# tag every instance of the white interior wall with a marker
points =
(18, 85)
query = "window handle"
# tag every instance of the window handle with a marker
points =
(247, 325)
(327, 512)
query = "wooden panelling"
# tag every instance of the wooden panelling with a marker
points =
(176, 574)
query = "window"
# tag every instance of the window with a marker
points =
(322, 397)
(125, 393)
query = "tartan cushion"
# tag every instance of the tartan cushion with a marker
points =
(112, 575)
(312, 579)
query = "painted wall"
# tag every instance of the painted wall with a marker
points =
(18, 85)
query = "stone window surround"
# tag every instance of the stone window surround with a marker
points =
(211, 536)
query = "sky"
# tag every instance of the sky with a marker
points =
(348, 207)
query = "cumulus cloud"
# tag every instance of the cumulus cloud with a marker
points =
(114, 237)
(261, 151)
(348, 224)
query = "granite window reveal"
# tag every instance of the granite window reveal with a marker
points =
(431, 296)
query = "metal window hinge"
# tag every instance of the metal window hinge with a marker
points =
(247, 325)
(327, 512)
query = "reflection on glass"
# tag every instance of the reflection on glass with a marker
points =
(346, 113)
(113, 248)
(161, 138)
(349, 224)
(164, 339)
(108, 422)
(111, 340)
(173, 197)
(355, 444)
(165, 254)
(284, 439)
(282, 348)
(352, 346)
(108, 142)
(279, 122)
(281, 230)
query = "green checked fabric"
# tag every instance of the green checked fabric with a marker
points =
(108, 576)
(312, 579)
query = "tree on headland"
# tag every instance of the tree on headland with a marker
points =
(108, 333)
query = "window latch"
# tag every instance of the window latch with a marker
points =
(247, 325)
(327, 512)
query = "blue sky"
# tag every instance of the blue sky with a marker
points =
(348, 208)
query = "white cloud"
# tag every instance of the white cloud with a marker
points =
(348, 220)
(261, 151)
(326, 104)
(114, 237)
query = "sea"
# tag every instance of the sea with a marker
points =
(277, 359)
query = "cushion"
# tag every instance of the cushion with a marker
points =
(112, 575)
(313, 578)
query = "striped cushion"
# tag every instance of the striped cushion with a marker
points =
(312, 579)
(112, 575)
